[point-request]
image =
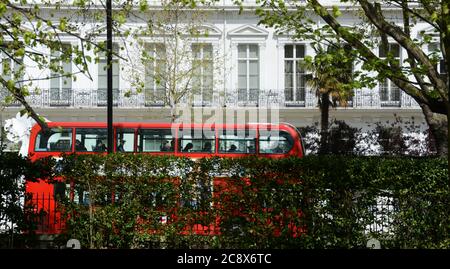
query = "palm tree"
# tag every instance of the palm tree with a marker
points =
(331, 77)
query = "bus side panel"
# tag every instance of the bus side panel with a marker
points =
(44, 210)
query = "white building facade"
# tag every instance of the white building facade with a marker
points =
(256, 69)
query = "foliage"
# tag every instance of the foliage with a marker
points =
(397, 138)
(342, 138)
(15, 217)
(174, 66)
(144, 201)
(417, 76)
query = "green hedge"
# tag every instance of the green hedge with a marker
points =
(15, 217)
(314, 202)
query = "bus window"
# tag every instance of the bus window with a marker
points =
(125, 140)
(156, 140)
(56, 139)
(275, 144)
(196, 140)
(91, 139)
(237, 141)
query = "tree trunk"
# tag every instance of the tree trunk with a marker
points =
(324, 106)
(438, 125)
(173, 116)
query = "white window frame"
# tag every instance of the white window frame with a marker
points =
(151, 89)
(247, 60)
(203, 75)
(440, 66)
(388, 84)
(13, 67)
(64, 83)
(295, 86)
(102, 62)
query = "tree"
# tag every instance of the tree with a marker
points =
(177, 66)
(27, 35)
(331, 79)
(418, 76)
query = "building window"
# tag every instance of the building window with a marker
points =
(103, 75)
(202, 80)
(61, 83)
(248, 73)
(389, 92)
(294, 75)
(12, 68)
(155, 72)
(440, 67)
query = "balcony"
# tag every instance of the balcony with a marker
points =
(264, 98)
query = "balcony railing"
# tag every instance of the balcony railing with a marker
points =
(266, 98)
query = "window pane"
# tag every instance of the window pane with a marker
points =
(299, 67)
(54, 82)
(207, 51)
(196, 52)
(207, 81)
(288, 81)
(55, 140)
(433, 47)
(125, 140)
(288, 51)
(288, 94)
(301, 80)
(66, 82)
(253, 51)
(91, 139)
(289, 67)
(67, 66)
(442, 67)
(300, 51)
(273, 144)
(384, 86)
(300, 94)
(115, 68)
(102, 67)
(395, 50)
(237, 141)
(102, 82)
(196, 140)
(242, 51)
(156, 140)
(253, 68)
(254, 82)
(242, 82)
(381, 52)
(395, 92)
(242, 68)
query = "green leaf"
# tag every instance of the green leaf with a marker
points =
(336, 12)
(2, 8)
(62, 24)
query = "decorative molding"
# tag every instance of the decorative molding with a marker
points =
(248, 31)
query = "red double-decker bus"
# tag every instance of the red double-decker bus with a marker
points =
(187, 140)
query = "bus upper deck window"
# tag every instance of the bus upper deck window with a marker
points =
(196, 140)
(56, 139)
(156, 140)
(277, 142)
(91, 139)
(125, 140)
(237, 141)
